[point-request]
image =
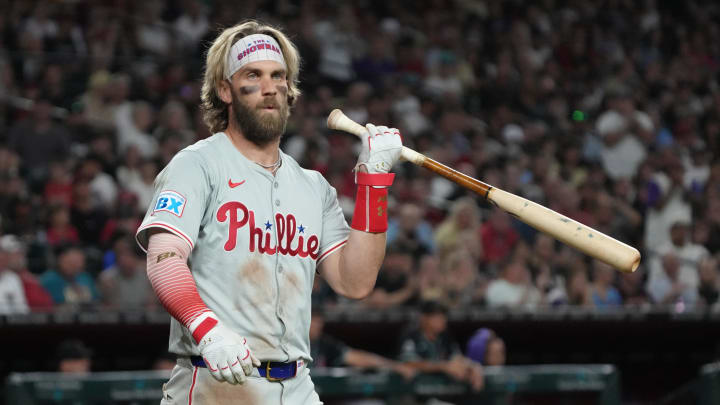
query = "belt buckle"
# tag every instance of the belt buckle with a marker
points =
(267, 373)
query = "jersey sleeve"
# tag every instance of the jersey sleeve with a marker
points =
(180, 198)
(335, 229)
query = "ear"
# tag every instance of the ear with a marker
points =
(225, 92)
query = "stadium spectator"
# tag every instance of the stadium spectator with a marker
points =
(429, 348)
(514, 288)
(622, 151)
(14, 252)
(709, 289)
(308, 145)
(140, 182)
(666, 204)
(173, 120)
(86, 216)
(463, 285)
(12, 294)
(486, 348)
(97, 110)
(125, 284)
(543, 253)
(124, 219)
(668, 289)
(603, 294)
(103, 188)
(70, 286)
(431, 281)
(712, 218)
(327, 351)
(152, 35)
(632, 287)
(579, 292)
(58, 188)
(498, 237)
(464, 215)
(73, 357)
(688, 253)
(192, 24)
(136, 132)
(612, 215)
(356, 101)
(396, 284)
(39, 140)
(409, 227)
(339, 43)
(60, 230)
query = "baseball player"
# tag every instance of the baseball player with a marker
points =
(237, 231)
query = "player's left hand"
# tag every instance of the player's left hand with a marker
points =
(381, 148)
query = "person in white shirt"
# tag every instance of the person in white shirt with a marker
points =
(12, 293)
(622, 152)
(514, 288)
(670, 289)
(688, 254)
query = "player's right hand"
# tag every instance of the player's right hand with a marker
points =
(381, 149)
(226, 355)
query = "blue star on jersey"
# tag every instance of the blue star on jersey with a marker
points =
(301, 229)
(268, 225)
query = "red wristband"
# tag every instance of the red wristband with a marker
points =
(203, 328)
(371, 202)
(375, 179)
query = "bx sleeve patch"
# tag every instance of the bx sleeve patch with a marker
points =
(170, 201)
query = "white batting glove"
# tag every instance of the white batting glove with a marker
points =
(226, 355)
(381, 149)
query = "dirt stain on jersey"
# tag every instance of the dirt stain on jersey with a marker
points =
(254, 289)
(293, 294)
(294, 282)
(255, 273)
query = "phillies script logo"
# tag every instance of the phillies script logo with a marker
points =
(237, 214)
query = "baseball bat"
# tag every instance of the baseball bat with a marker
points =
(584, 238)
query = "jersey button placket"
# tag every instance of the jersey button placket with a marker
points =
(280, 313)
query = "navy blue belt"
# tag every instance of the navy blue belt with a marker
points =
(272, 370)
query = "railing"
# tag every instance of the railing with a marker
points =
(599, 382)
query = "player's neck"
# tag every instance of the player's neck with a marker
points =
(265, 155)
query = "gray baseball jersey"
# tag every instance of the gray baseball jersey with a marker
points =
(256, 240)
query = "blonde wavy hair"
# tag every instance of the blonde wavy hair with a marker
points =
(215, 111)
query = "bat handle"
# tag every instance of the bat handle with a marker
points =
(339, 121)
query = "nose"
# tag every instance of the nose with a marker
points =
(267, 87)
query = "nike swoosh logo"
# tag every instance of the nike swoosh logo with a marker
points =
(233, 185)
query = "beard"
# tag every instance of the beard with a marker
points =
(257, 126)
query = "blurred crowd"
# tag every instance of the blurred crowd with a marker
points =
(605, 111)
